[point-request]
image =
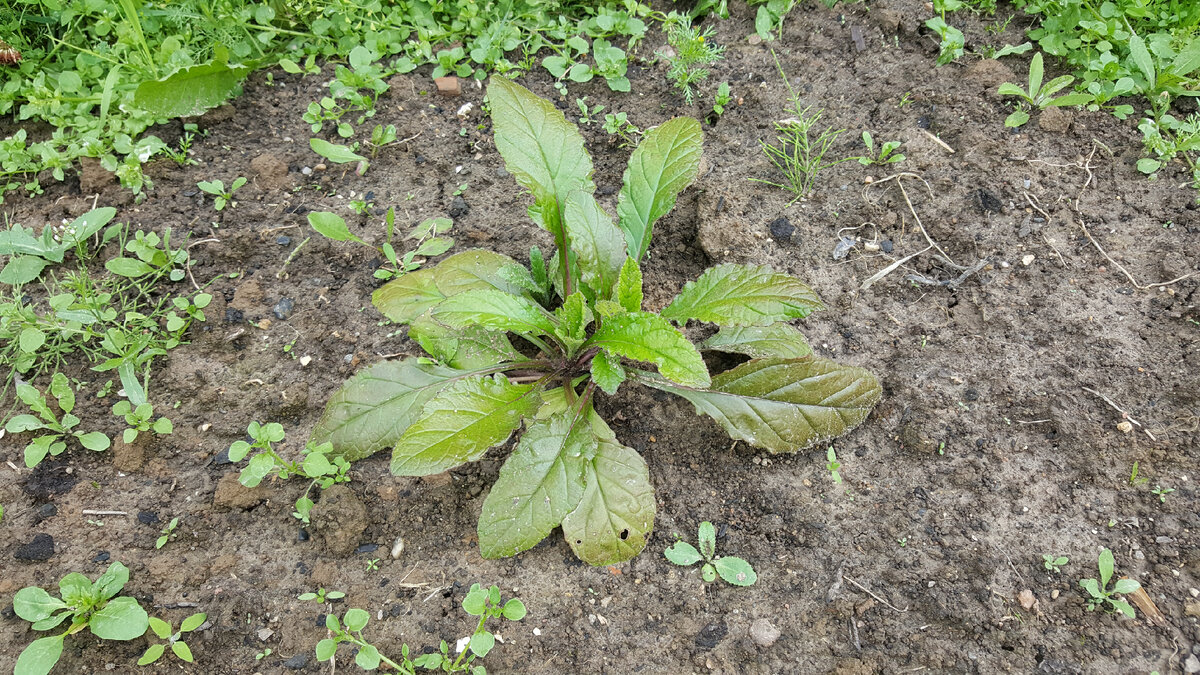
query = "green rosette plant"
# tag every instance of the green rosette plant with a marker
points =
(582, 329)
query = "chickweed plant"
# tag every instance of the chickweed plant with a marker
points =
(1054, 563)
(173, 638)
(318, 466)
(580, 331)
(483, 603)
(54, 430)
(887, 152)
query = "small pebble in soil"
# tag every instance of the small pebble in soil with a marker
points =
(40, 548)
(502, 172)
(222, 457)
(191, 192)
(102, 556)
(305, 360)
(366, 548)
(306, 170)
(763, 632)
(348, 358)
(1028, 259)
(842, 249)
(283, 309)
(1026, 599)
(458, 207)
(147, 517)
(319, 167)
(971, 395)
(302, 535)
(397, 548)
(297, 662)
(283, 240)
(886, 245)
(46, 511)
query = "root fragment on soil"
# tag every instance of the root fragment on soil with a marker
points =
(96, 512)
(866, 590)
(925, 233)
(939, 141)
(1124, 415)
(1124, 271)
(952, 284)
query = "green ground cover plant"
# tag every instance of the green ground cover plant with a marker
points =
(732, 569)
(1040, 95)
(483, 603)
(86, 604)
(580, 329)
(102, 72)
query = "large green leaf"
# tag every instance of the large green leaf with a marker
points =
(467, 348)
(496, 310)
(22, 269)
(121, 619)
(783, 405)
(541, 483)
(616, 513)
(190, 91)
(643, 336)
(742, 295)
(666, 160)
(40, 657)
(596, 240)
(34, 604)
(408, 297)
(461, 422)
(779, 340)
(629, 286)
(541, 150)
(373, 408)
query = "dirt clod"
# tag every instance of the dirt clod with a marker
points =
(763, 632)
(40, 548)
(1025, 597)
(448, 86)
(130, 456)
(1055, 120)
(231, 494)
(340, 518)
(269, 171)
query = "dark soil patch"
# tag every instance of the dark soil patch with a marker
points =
(985, 453)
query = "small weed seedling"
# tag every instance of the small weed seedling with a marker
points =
(723, 99)
(427, 236)
(694, 51)
(321, 596)
(373, 565)
(168, 533)
(216, 188)
(581, 308)
(1098, 591)
(1054, 563)
(86, 604)
(480, 602)
(732, 569)
(1136, 480)
(339, 154)
(318, 465)
(139, 420)
(885, 155)
(832, 464)
(174, 638)
(361, 206)
(1162, 492)
(53, 442)
(1040, 96)
(263, 654)
(618, 124)
(588, 115)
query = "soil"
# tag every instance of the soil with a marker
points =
(993, 444)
